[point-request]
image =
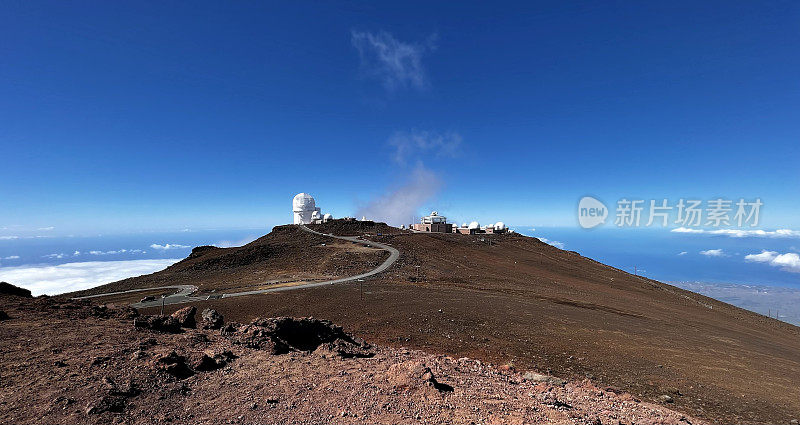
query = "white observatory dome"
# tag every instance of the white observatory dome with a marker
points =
(474, 225)
(499, 225)
(327, 217)
(303, 202)
(463, 225)
(315, 215)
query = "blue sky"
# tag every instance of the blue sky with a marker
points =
(165, 115)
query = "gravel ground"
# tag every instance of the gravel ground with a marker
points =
(69, 362)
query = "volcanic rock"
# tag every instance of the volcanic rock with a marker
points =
(212, 319)
(158, 323)
(3, 315)
(281, 335)
(185, 317)
(175, 365)
(414, 373)
(206, 362)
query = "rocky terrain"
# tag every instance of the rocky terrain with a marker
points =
(74, 362)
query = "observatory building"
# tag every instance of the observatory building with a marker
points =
(306, 211)
(433, 223)
(438, 223)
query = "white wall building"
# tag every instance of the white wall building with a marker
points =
(304, 207)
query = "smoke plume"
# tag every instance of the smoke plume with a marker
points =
(401, 204)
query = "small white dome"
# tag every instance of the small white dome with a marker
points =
(463, 225)
(499, 225)
(474, 225)
(327, 217)
(303, 202)
(315, 215)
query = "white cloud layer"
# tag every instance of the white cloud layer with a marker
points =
(713, 253)
(557, 244)
(789, 261)
(741, 233)
(11, 257)
(51, 280)
(169, 246)
(395, 63)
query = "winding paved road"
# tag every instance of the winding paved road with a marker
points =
(184, 291)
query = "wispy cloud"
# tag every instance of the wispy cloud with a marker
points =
(742, 233)
(46, 228)
(682, 253)
(423, 143)
(58, 255)
(789, 261)
(5, 238)
(557, 244)
(169, 246)
(44, 279)
(11, 257)
(395, 63)
(713, 253)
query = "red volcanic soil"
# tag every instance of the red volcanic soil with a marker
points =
(513, 299)
(70, 362)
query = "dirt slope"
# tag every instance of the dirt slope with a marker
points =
(513, 299)
(73, 363)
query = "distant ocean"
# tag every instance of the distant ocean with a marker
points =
(52, 265)
(713, 265)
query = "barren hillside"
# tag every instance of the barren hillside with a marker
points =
(511, 299)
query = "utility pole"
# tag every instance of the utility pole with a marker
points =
(163, 297)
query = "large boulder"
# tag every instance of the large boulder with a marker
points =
(281, 335)
(3, 315)
(185, 317)
(158, 323)
(212, 319)
(9, 289)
